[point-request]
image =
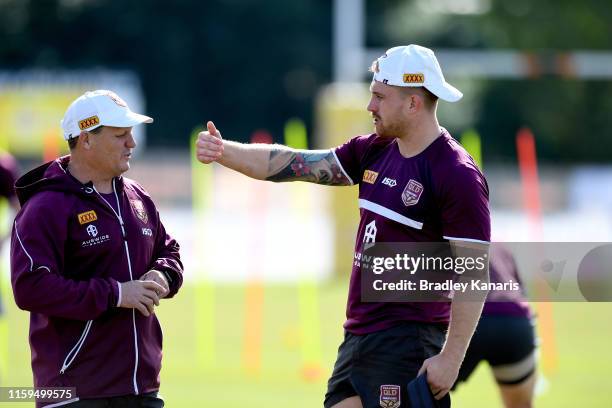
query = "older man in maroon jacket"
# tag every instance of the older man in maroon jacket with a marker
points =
(90, 259)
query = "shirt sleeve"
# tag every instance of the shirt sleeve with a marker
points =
(465, 205)
(351, 155)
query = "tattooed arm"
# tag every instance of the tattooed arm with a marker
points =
(270, 162)
(315, 166)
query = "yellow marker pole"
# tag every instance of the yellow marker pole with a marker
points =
(201, 187)
(4, 142)
(310, 343)
(4, 296)
(4, 285)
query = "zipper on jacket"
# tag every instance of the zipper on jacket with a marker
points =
(127, 252)
(76, 348)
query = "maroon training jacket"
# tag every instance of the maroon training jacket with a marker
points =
(69, 251)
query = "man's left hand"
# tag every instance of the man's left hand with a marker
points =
(157, 276)
(442, 371)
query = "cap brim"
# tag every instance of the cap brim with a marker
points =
(446, 92)
(128, 120)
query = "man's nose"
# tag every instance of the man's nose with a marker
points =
(372, 107)
(130, 142)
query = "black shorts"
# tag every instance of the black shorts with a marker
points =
(507, 343)
(386, 360)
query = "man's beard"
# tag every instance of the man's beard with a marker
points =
(390, 130)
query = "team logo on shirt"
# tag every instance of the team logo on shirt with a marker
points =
(117, 99)
(412, 192)
(369, 235)
(140, 211)
(86, 217)
(390, 396)
(370, 176)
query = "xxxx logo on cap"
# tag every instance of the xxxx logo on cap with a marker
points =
(89, 122)
(414, 78)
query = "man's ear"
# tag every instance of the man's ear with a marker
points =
(85, 140)
(415, 103)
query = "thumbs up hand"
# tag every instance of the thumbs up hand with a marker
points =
(209, 144)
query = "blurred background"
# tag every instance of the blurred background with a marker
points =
(259, 319)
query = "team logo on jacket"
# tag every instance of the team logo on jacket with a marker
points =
(412, 192)
(390, 396)
(95, 237)
(140, 211)
(86, 217)
(370, 176)
(92, 231)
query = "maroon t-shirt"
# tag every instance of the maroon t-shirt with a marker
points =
(437, 195)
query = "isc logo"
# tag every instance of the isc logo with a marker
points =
(389, 182)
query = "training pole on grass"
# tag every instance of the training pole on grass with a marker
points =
(5, 295)
(4, 285)
(470, 140)
(528, 166)
(254, 290)
(204, 299)
(51, 147)
(310, 344)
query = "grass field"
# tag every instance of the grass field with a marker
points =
(583, 334)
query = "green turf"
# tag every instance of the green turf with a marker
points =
(583, 332)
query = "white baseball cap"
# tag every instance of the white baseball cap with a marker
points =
(415, 66)
(99, 108)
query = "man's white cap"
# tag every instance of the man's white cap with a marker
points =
(99, 108)
(415, 66)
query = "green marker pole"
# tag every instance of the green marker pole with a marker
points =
(295, 134)
(308, 302)
(202, 180)
(470, 139)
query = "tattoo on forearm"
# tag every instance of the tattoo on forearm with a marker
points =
(319, 167)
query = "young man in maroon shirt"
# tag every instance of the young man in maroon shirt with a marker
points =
(416, 184)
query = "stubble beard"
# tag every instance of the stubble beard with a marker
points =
(391, 130)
